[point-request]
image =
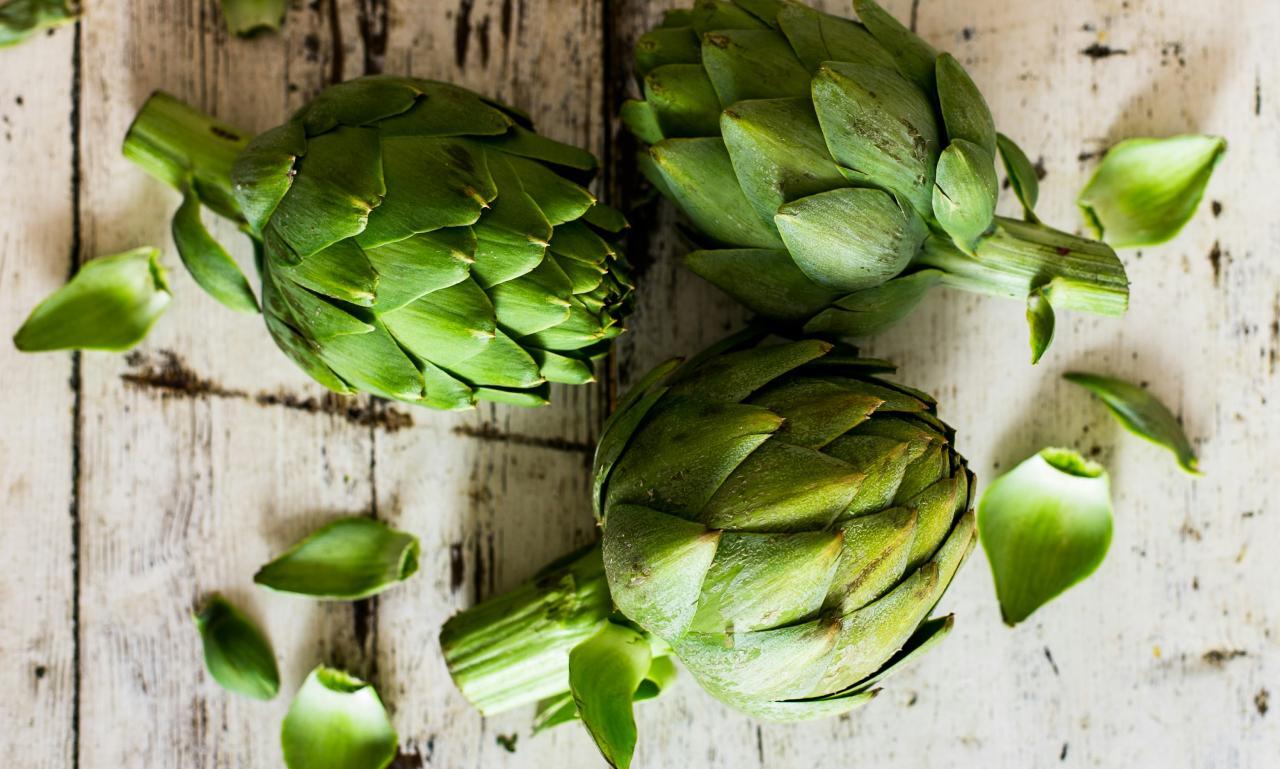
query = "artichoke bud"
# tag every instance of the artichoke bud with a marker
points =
(418, 241)
(783, 518)
(964, 194)
(832, 132)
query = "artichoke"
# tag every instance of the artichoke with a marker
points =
(414, 240)
(776, 516)
(836, 171)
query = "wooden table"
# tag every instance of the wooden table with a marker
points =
(134, 485)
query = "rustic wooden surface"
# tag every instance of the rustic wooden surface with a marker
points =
(133, 486)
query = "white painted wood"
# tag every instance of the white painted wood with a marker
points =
(181, 494)
(37, 632)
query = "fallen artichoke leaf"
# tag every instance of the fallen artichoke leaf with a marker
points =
(1045, 526)
(110, 304)
(1142, 414)
(236, 653)
(336, 721)
(348, 559)
(1146, 190)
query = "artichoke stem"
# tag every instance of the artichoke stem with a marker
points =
(175, 142)
(1018, 257)
(513, 649)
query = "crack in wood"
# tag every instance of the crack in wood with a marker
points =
(462, 32)
(489, 432)
(373, 23)
(76, 384)
(173, 378)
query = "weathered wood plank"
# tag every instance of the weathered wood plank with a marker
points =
(202, 456)
(37, 594)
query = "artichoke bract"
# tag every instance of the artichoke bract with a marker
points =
(835, 171)
(775, 515)
(415, 240)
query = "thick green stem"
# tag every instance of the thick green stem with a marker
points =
(175, 142)
(1020, 256)
(513, 649)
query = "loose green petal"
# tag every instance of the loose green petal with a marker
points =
(336, 721)
(1022, 175)
(1040, 319)
(1145, 190)
(604, 673)
(1142, 414)
(20, 19)
(237, 654)
(348, 559)
(110, 304)
(1045, 525)
(251, 17)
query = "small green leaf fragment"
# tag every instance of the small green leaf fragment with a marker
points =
(110, 304)
(1040, 320)
(604, 673)
(1022, 175)
(1142, 414)
(21, 19)
(337, 721)
(1146, 190)
(247, 18)
(236, 653)
(1045, 526)
(348, 559)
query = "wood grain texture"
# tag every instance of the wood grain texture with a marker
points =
(202, 456)
(38, 653)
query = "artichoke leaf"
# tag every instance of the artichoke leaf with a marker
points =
(1022, 176)
(1142, 414)
(872, 310)
(914, 56)
(1040, 319)
(348, 559)
(1045, 526)
(359, 102)
(604, 673)
(337, 721)
(1146, 190)
(682, 100)
(851, 238)
(965, 113)
(110, 304)
(752, 64)
(666, 45)
(880, 127)
(965, 192)
(763, 580)
(664, 560)
(766, 281)
(818, 37)
(698, 175)
(778, 152)
(206, 260)
(236, 653)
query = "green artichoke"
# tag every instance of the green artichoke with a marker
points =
(414, 240)
(776, 516)
(836, 171)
